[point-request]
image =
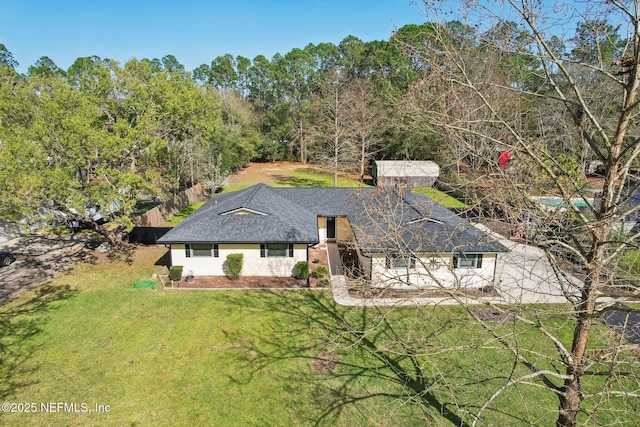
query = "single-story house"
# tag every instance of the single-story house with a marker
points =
(399, 238)
(411, 173)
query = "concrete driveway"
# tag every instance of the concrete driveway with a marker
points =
(525, 275)
(624, 321)
(38, 259)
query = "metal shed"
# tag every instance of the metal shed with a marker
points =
(412, 173)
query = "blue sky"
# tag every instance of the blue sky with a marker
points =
(194, 31)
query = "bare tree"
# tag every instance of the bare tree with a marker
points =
(365, 118)
(335, 141)
(511, 86)
(520, 115)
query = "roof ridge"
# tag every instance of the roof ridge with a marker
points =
(252, 193)
(410, 200)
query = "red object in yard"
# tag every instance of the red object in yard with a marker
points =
(505, 157)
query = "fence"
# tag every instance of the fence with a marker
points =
(152, 225)
(157, 216)
(147, 235)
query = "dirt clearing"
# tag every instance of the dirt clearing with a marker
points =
(268, 173)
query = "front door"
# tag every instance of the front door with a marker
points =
(331, 228)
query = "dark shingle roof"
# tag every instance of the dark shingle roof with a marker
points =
(279, 220)
(383, 220)
(386, 221)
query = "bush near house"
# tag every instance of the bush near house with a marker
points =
(175, 273)
(301, 270)
(320, 272)
(233, 266)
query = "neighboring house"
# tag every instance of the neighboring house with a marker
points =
(397, 238)
(412, 173)
(9, 230)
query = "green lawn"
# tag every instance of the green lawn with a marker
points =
(304, 177)
(443, 198)
(245, 358)
(184, 213)
(630, 263)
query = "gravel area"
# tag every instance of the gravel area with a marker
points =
(39, 257)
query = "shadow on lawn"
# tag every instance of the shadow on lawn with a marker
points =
(368, 348)
(299, 182)
(40, 257)
(20, 321)
(164, 260)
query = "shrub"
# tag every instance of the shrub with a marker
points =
(175, 273)
(233, 266)
(301, 270)
(323, 283)
(320, 272)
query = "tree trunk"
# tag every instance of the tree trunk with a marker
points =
(570, 402)
(335, 163)
(362, 158)
(571, 397)
(114, 237)
(303, 145)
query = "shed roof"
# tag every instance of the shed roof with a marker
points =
(407, 168)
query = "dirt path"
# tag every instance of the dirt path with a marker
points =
(268, 173)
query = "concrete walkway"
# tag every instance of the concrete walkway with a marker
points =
(523, 276)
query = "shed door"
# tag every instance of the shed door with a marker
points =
(331, 228)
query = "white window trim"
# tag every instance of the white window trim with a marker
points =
(192, 251)
(476, 258)
(287, 248)
(408, 262)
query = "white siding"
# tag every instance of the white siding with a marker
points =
(414, 173)
(433, 271)
(253, 264)
(322, 229)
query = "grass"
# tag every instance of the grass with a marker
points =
(239, 358)
(184, 213)
(630, 263)
(443, 198)
(305, 177)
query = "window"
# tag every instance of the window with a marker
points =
(271, 250)
(397, 261)
(201, 249)
(467, 260)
